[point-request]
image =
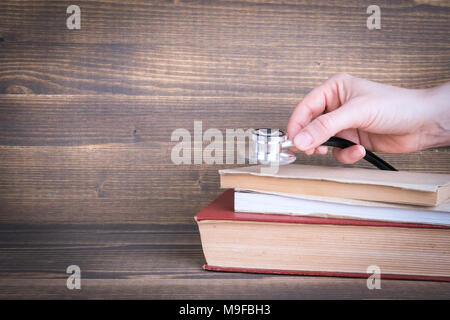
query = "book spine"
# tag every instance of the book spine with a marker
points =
(327, 273)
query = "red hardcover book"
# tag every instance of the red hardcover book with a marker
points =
(300, 245)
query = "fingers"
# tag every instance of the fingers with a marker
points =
(323, 127)
(321, 150)
(349, 155)
(326, 97)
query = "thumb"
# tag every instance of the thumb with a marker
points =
(349, 155)
(323, 127)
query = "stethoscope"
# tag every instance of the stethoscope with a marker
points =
(270, 146)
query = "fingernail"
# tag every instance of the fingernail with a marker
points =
(303, 140)
(358, 153)
(322, 149)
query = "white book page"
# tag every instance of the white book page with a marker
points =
(271, 203)
(443, 207)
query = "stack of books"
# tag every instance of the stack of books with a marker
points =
(332, 221)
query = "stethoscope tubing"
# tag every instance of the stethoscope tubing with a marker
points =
(344, 143)
(370, 156)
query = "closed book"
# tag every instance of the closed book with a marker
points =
(303, 205)
(416, 188)
(287, 244)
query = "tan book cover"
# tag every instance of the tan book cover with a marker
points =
(428, 189)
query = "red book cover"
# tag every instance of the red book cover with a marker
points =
(223, 209)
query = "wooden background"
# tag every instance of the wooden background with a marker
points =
(86, 117)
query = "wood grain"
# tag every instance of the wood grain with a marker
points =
(218, 47)
(86, 118)
(62, 155)
(156, 262)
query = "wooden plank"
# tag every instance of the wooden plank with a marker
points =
(115, 21)
(114, 119)
(120, 184)
(283, 288)
(156, 262)
(103, 251)
(141, 70)
(223, 48)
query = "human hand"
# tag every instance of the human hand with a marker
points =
(375, 116)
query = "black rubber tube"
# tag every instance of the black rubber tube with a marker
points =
(370, 157)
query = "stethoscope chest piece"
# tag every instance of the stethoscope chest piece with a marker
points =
(268, 146)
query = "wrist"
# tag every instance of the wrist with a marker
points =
(436, 130)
